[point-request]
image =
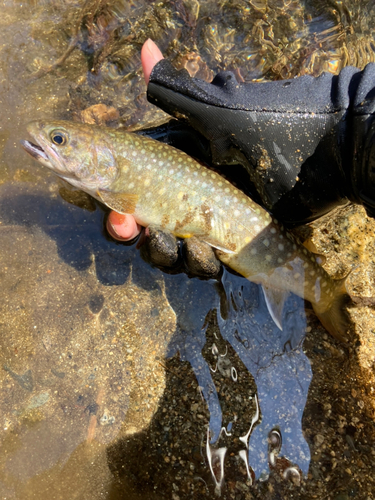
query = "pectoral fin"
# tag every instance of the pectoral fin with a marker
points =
(275, 300)
(124, 203)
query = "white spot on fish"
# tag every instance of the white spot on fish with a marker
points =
(268, 258)
(266, 242)
(280, 246)
(253, 251)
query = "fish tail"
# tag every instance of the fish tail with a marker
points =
(335, 318)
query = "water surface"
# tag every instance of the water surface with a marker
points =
(119, 381)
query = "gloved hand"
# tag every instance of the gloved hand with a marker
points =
(306, 143)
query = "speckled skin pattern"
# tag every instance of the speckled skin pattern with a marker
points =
(165, 188)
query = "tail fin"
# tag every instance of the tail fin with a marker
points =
(335, 318)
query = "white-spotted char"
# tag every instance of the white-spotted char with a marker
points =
(164, 187)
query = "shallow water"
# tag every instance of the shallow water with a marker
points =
(119, 381)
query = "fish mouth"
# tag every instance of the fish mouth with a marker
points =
(36, 152)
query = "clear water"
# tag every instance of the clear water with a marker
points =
(119, 381)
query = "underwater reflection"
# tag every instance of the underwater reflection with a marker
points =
(253, 376)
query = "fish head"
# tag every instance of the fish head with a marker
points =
(79, 153)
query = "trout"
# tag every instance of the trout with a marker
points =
(163, 187)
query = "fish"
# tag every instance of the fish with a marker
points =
(167, 189)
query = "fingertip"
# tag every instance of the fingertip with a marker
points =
(150, 55)
(122, 227)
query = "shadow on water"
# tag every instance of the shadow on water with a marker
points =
(253, 378)
(250, 379)
(78, 235)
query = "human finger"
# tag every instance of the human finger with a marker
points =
(122, 227)
(150, 55)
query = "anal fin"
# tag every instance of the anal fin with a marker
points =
(219, 245)
(275, 300)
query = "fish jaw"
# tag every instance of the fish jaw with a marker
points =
(37, 153)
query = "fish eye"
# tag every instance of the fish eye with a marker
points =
(58, 138)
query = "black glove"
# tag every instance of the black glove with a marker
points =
(193, 256)
(306, 143)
